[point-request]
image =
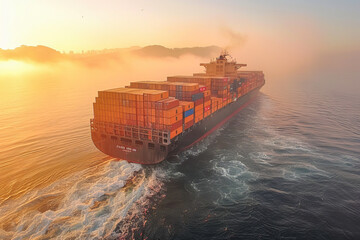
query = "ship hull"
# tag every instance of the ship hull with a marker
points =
(131, 151)
(151, 153)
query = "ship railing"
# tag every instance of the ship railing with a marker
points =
(132, 132)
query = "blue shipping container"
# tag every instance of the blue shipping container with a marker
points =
(188, 112)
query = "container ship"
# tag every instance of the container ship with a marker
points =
(149, 120)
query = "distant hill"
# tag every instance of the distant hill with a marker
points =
(31, 53)
(161, 51)
(95, 57)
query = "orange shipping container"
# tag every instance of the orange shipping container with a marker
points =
(135, 107)
(214, 109)
(185, 86)
(199, 111)
(175, 132)
(206, 81)
(207, 113)
(198, 118)
(199, 107)
(172, 112)
(189, 118)
(155, 95)
(172, 120)
(186, 105)
(207, 93)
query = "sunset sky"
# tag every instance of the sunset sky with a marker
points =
(90, 24)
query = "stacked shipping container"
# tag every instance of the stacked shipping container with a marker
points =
(251, 80)
(188, 110)
(205, 81)
(143, 108)
(174, 105)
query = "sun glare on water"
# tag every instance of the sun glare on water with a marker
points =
(13, 67)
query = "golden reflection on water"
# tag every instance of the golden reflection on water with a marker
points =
(43, 126)
(45, 111)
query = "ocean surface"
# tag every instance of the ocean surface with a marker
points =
(286, 167)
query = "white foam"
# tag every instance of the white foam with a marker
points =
(230, 170)
(139, 209)
(303, 170)
(281, 142)
(261, 158)
(203, 145)
(89, 205)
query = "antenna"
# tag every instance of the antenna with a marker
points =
(224, 55)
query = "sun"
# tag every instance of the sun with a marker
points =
(13, 67)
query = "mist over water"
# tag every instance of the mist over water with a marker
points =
(287, 166)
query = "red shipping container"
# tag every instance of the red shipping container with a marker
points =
(169, 103)
(199, 101)
(175, 125)
(188, 124)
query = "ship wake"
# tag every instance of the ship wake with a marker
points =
(101, 202)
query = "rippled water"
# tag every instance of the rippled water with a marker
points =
(288, 166)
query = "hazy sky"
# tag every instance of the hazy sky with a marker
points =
(92, 24)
